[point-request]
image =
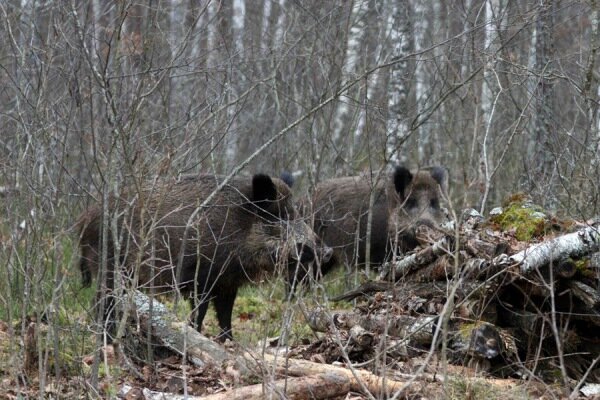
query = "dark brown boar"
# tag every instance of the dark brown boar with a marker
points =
(402, 200)
(248, 229)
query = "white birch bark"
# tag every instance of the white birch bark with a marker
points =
(235, 81)
(489, 90)
(400, 36)
(373, 81)
(281, 21)
(421, 25)
(531, 87)
(355, 38)
(491, 45)
(576, 244)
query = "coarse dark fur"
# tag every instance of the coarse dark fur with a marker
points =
(402, 201)
(248, 229)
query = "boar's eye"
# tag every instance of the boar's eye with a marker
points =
(411, 203)
(434, 203)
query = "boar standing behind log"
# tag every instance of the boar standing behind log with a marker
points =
(248, 229)
(402, 201)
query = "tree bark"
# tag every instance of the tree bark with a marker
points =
(320, 386)
(416, 260)
(178, 336)
(576, 244)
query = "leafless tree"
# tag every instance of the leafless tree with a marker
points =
(98, 96)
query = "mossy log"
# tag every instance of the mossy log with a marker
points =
(577, 244)
(438, 260)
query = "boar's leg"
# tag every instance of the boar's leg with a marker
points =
(201, 310)
(223, 302)
(84, 267)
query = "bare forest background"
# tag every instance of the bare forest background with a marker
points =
(502, 93)
(98, 95)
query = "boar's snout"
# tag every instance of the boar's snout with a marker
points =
(309, 247)
(428, 222)
(327, 253)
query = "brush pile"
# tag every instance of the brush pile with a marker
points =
(515, 295)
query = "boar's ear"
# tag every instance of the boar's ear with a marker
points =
(440, 174)
(402, 178)
(263, 190)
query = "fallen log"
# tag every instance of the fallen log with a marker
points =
(396, 270)
(586, 294)
(468, 338)
(558, 250)
(179, 336)
(577, 244)
(184, 340)
(320, 386)
(314, 379)
(426, 290)
(360, 380)
(418, 330)
(527, 293)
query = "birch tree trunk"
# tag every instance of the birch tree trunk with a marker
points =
(401, 42)
(489, 91)
(421, 27)
(351, 65)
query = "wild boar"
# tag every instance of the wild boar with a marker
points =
(248, 229)
(402, 201)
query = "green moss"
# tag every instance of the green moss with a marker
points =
(583, 268)
(521, 215)
(581, 265)
(466, 330)
(528, 220)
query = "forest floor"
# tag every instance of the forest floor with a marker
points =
(168, 373)
(42, 359)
